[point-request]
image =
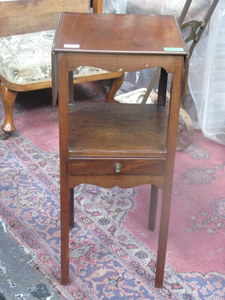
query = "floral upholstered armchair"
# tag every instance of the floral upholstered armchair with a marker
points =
(27, 30)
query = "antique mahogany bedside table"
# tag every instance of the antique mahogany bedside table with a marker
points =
(110, 144)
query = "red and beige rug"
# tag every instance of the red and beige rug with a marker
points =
(112, 252)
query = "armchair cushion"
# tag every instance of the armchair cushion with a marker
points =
(26, 58)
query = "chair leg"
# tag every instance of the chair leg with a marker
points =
(65, 225)
(153, 207)
(72, 224)
(8, 99)
(116, 84)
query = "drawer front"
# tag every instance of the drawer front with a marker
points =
(116, 166)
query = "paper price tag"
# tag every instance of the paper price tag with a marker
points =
(73, 46)
(173, 49)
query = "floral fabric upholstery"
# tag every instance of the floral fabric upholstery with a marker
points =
(26, 58)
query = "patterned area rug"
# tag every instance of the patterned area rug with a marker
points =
(112, 252)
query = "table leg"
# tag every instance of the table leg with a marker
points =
(153, 207)
(162, 87)
(65, 225)
(168, 176)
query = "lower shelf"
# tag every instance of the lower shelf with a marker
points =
(117, 130)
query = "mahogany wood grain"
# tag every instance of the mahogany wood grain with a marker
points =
(153, 207)
(143, 41)
(113, 129)
(71, 208)
(123, 181)
(18, 17)
(97, 6)
(106, 166)
(8, 99)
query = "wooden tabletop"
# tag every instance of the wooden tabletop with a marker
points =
(110, 33)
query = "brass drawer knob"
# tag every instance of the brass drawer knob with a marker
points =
(117, 168)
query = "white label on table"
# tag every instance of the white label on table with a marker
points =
(74, 46)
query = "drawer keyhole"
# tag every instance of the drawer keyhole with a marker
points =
(117, 168)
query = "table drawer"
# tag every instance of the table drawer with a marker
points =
(116, 166)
